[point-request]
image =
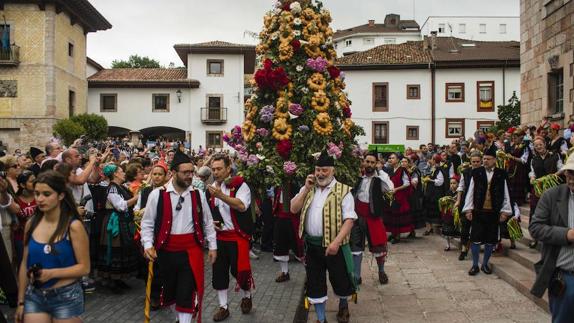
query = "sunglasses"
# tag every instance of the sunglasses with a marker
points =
(179, 206)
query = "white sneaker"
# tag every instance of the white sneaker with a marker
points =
(253, 255)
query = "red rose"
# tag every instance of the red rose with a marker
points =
(296, 44)
(268, 78)
(334, 71)
(284, 148)
(286, 6)
(268, 64)
(347, 112)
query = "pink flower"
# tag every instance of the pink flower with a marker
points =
(262, 132)
(296, 109)
(289, 167)
(334, 151)
(259, 145)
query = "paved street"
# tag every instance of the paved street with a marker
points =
(427, 284)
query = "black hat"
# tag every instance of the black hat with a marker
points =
(491, 151)
(35, 152)
(325, 160)
(179, 158)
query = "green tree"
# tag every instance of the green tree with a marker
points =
(68, 130)
(136, 61)
(96, 126)
(508, 115)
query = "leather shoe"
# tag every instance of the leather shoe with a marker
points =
(246, 305)
(321, 322)
(343, 315)
(473, 271)
(282, 278)
(383, 278)
(462, 255)
(486, 269)
(221, 314)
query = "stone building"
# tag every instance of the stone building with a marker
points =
(547, 60)
(42, 66)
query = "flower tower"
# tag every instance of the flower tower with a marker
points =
(299, 107)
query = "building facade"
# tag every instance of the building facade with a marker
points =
(43, 66)
(547, 55)
(197, 103)
(480, 28)
(434, 90)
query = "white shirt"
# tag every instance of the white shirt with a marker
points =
(469, 201)
(243, 193)
(182, 222)
(386, 185)
(314, 217)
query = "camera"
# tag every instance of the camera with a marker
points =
(34, 275)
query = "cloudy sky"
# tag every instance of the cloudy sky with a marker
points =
(152, 27)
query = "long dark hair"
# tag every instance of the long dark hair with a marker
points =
(68, 210)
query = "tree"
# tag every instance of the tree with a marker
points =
(68, 130)
(508, 115)
(299, 108)
(96, 126)
(136, 61)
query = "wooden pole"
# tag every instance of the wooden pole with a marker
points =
(148, 292)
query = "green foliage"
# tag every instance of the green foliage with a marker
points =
(96, 126)
(68, 130)
(508, 115)
(136, 61)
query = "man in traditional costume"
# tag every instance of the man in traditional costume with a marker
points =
(369, 203)
(466, 174)
(327, 215)
(176, 222)
(487, 204)
(230, 202)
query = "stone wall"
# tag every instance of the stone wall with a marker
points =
(547, 44)
(23, 133)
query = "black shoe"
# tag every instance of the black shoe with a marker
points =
(473, 271)
(533, 244)
(428, 232)
(395, 240)
(412, 235)
(486, 269)
(462, 255)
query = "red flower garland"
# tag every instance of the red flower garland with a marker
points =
(284, 148)
(269, 78)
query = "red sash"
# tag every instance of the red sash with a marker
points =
(375, 225)
(187, 243)
(244, 275)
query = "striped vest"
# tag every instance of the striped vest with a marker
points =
(332, 213)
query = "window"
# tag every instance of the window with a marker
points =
(348, 43)
(482, 28)
(70, 49)
(389, 41)
(160, 102)
(441, 28)
(380, 97)
(484, 125)
(5, 29)
(214, 107)
(214, 139)
(215, 67)
(71, 103)
(454, 92)
(556, 91)
(380, 132)
(412, 132)
(368, 41)
(462, 28)
(502, 28)
(108, 102)
(485, 95)
(454, 128)
(413, 92)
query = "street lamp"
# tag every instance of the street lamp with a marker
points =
(178, 93)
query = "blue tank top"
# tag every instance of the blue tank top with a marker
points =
(62, 257)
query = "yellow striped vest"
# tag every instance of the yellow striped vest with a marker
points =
(332, 213)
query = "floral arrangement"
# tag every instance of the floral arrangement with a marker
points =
(299, 106)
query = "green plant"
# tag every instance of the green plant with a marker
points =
(96, 126)
(68, 130)
(508, 115)
(136, 61)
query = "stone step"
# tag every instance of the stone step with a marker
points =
(523, 255)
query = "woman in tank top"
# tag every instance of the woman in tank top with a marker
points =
(55, 256)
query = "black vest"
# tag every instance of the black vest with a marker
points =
(144, 195)
(376, 201)
(466, 174)
(244, 219)
(543, 167)
(497, 185)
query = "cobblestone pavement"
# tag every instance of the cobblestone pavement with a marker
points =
(427, 284)
(272, 302)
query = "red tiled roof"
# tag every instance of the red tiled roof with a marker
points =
(149, 77)
(409, 53)
(452, 49)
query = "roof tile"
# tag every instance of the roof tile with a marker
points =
(411, 52)
(140, 74)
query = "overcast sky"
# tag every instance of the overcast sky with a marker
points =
(152, 27)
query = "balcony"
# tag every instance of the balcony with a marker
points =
(214, 115)
(10, 56)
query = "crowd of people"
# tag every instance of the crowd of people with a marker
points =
(97, 213)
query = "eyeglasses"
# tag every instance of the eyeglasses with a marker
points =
(179, 206)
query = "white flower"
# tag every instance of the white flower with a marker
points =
(295, 7)
(329, 41)
(297, 33)
(292, 116)
(278, 11)
(337, 105)
(270, 169)
(299, 68)
(261, 157)
(278, 4)
(274, 36)
(316, 155)
(297, 21)
(305, 90)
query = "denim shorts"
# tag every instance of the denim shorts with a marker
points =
(61, 303)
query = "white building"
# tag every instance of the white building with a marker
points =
(414, 94)
(364, 37)
(482, 28)
(197, 103)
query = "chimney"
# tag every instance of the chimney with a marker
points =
(371, 23)
(433, 43)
